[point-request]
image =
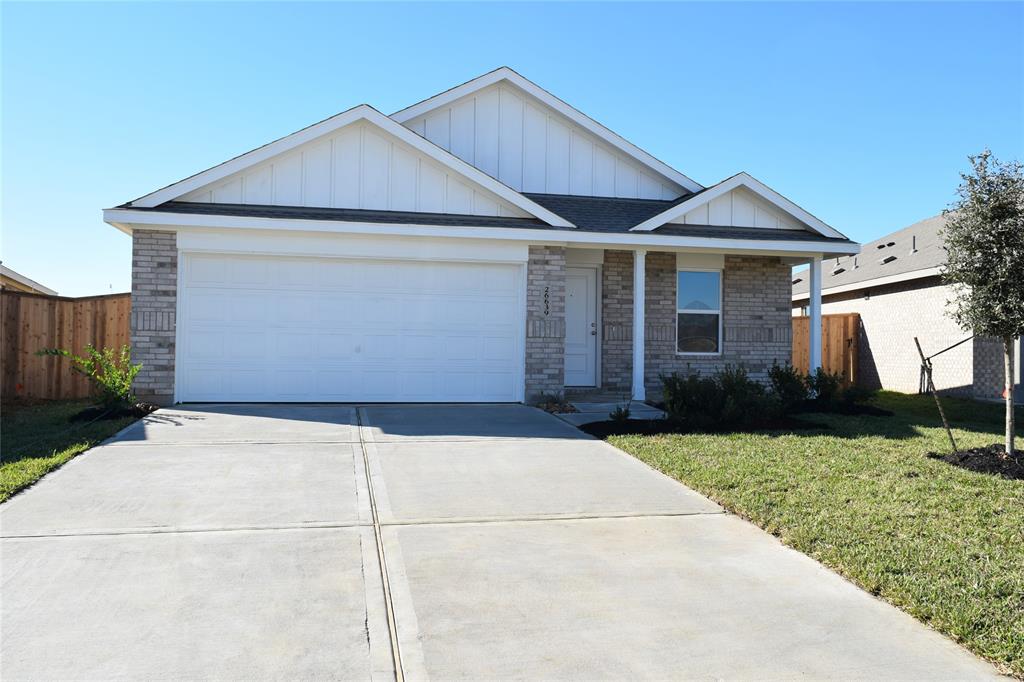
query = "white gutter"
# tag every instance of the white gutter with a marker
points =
(126, 219)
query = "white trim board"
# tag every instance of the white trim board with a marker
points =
(363, 112)
(504, 73)
(727, 185)
(876, 282)
(127, 220)
(25, 281)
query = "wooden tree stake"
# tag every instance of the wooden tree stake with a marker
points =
(926, 365)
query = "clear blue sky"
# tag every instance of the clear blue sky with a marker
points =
(861, 113)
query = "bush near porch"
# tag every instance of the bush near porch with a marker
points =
(861, 496)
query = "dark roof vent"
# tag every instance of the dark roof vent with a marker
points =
(880, 246)
(888, 259)
(838, 270)
(798, 280)
(913, 243)
(855, 265)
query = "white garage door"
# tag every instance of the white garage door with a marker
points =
(305, 329)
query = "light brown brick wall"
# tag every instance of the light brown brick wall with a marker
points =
(154, 302)
(617, 321)
(989, 369)
(757, 330)
(545, 321)
(890, 318)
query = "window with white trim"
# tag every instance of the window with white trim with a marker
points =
(699, 312)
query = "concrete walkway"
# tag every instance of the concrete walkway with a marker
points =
(244, 542)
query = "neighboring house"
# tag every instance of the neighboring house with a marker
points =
(895, 286)
(13, 281)
(490, 243)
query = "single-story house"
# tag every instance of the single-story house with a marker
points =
(490, 243)
(895, 285)
(15, 281)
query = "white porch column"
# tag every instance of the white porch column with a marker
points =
(814, 310)
(639, 278)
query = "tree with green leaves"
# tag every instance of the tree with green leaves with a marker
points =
(984, 241)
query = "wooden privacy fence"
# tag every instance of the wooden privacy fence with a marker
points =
(839, 344)
(32, 322)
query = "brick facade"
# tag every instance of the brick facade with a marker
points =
(154, 302)
(756, 325)
(888, 357)
(989, 369)
(617, 321)
(545, 321)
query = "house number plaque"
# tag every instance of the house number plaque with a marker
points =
(547, 301)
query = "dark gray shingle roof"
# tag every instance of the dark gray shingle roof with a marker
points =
(917, 247)
(589, 214)
(603, 214)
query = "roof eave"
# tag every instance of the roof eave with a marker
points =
(154, 219)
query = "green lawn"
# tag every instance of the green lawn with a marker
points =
(942, 543)
(38, 438)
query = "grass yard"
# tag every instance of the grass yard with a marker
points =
(37, 438)
(940, 542)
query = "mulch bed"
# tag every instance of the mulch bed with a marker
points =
(654, 427)
(99, 412)
(991, 459)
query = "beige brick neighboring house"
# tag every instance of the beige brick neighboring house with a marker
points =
(488, 244)
(895, 286)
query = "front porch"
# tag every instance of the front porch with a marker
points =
(612, 321)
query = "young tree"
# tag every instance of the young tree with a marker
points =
(984, 240)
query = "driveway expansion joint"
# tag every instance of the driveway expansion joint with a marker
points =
(608, 516)
(171, 530)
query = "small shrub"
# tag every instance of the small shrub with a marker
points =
(729, 399)
(825, 387)
(855, 395)
(691, 400)
(789, 386)
(110, 373)
(620, 414)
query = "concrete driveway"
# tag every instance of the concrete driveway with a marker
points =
(244, 542)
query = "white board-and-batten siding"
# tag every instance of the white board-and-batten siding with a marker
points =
(740, 208)
(358, 167)
(531, 148)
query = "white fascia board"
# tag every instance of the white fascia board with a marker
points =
(877, 282)
(157, 220)
(363, 112)
(258, 155)
(22, 279)
(575, 115)
(729, 184)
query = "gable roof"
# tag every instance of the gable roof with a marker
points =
(362, 112)
(589, 215)
(504, 73)
(687, 204)
(26, 282)
(910, 253)
(603, 214)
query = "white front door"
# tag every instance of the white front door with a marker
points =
(581, 326)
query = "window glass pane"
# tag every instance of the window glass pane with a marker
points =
(697, 333)
(698, 290)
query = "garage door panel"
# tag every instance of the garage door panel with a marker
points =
(246, 382)
(363, 331)
(248, 307)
